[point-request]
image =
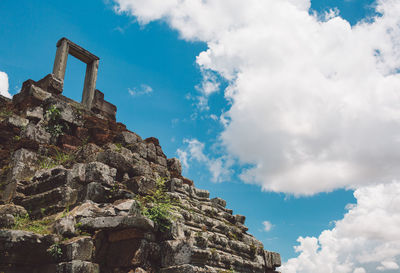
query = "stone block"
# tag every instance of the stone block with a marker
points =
(141, 185)
(35, 113)
(6, 220)
(77, 266)
(240, 218)
(17, 121)
(65, 226)
(127, 138)
(116, 160)
(177, 252)
(174, 167)
(219, 202)
(103, 107)
(51, 84)
(23, 247)
(78, 248)
(202, 193)
(100, 172)
(117, 222)
(96, 192)
(30, 95)
(272, 259)
(37, 133)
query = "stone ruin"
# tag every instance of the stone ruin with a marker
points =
(73, 182)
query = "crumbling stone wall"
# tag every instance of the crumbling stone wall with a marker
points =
(71, 181)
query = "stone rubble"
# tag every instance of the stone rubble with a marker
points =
(86, 180)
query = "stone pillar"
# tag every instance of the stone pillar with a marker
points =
(90, 83)
(60, 62)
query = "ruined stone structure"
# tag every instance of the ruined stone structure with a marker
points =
(81, 193)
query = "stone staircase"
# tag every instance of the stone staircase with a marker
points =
(87, 182)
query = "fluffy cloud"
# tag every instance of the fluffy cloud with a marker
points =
(193, 151)
(367, 239)
(144, 89)
(267, 226)
(4, 85)
(314, 101)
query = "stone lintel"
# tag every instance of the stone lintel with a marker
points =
(78, 51)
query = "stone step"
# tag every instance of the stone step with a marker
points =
(45, 181)
(56, 199)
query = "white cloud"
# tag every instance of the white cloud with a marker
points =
(144, 89)
(367, 239)
(267, 225)
(314, 107)
(193, 151)
(208, 86)
(315, 103)
(4, 85)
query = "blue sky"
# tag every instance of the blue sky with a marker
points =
(150, 70)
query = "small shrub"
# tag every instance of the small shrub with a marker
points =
(158, 206)
(53, 126)
(59, 159)
(55, 251)
(119, 147)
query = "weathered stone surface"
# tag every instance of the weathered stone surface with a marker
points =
(175, 167)
(17, 121)
(65, 226)
(116, 160)
(272, 259)
(219, 202)
(78, 248)
(100, 172)
(88, 153)
(141, 185)
(117, 222)
(6, 220)
(51, 84)
(23, 164)
(24, 248)
(175, 252)
(127, 138)
(12, 209)
(45, 180)
(37, 133)
(77, 266)
(96, 192)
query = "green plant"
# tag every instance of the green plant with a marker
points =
(46, 163)
(17, 138)
(4, 113)
(62, 158)
(158, 206)
(54, 127)
(119, 147)
(78, 228)
(55, 251)
(59, 159)
(232, 236)
(53, 113)
(38, 226)
(65, 212)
